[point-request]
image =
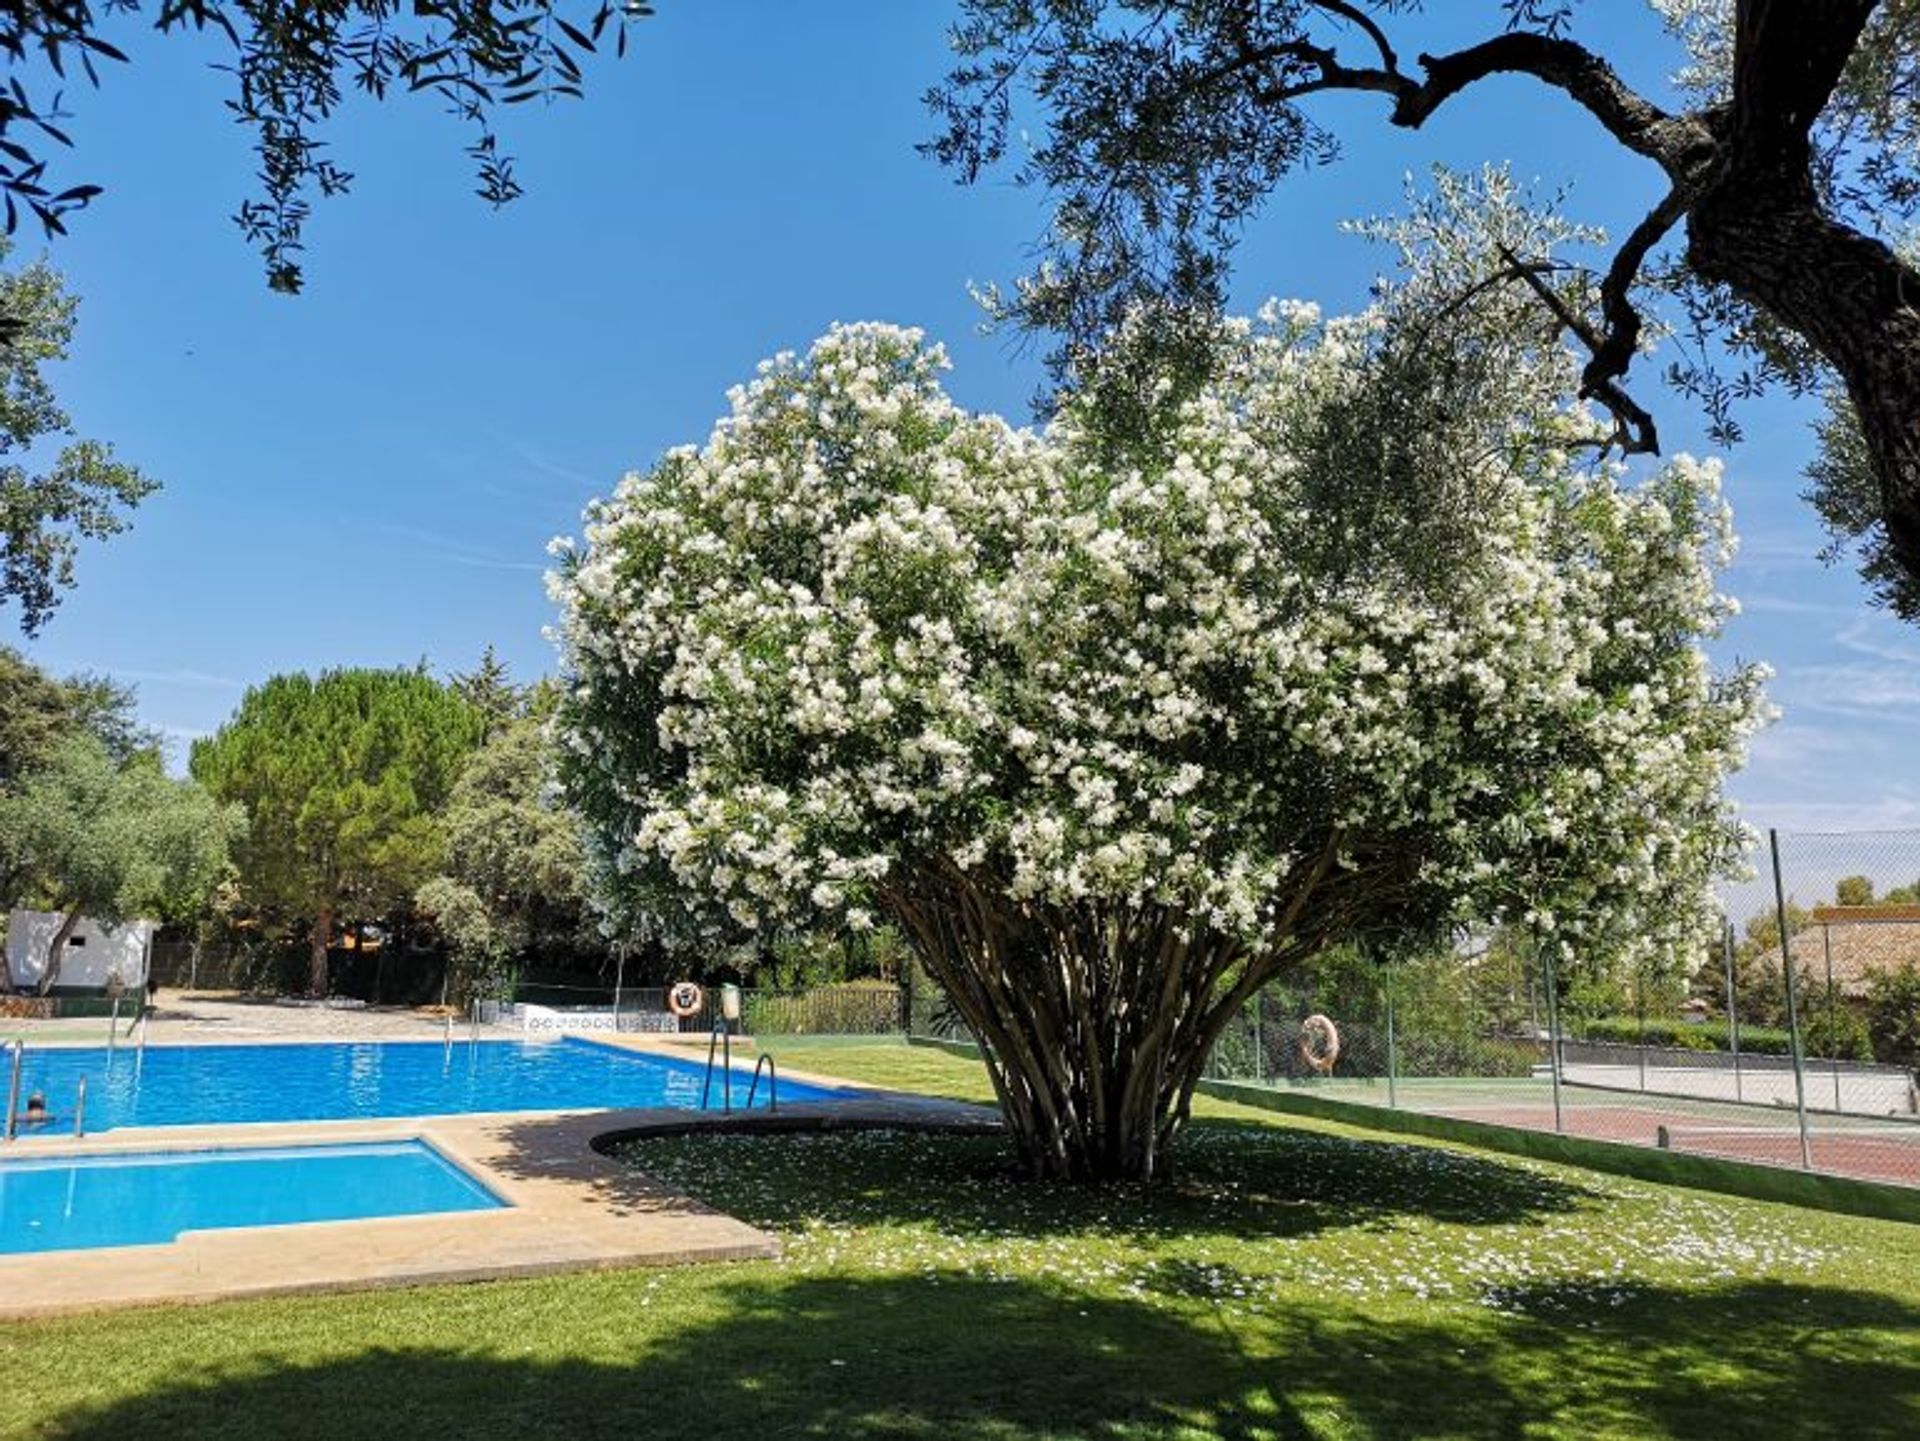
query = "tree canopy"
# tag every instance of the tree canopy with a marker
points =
(48, 501)
(514, 859)
(1117, 727)
(293, 67)
(111, 840)
(39, 711)
(1790, 168)
(490, 689)
(342, 778)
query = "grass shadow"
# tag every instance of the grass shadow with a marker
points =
(1250, 1180)
(763, 1354)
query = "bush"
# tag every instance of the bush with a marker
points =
(1841, 1037)
(1680, 1035)
(1893, 1014)
(856, 1008)
(1837, 1034)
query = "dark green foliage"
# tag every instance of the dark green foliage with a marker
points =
(1453, 1016)
(1853, 891)
(489, 688)
(1833, 1029)
(84, 492)
(111, 840)
(512, 887)
(1841, 1036)
(293, 67)
(1160, 131)
(798, 961)
(1893, 1014)
(1845, 492)
(342, 778)
(851, 1008)
(38, 712)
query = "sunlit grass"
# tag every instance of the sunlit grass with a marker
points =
(1294, 1280)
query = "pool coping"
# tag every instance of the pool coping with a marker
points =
(570, 1207)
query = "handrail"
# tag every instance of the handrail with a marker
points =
(80, 1111)
(13, 1089)
(722, 1038)
(773, 1082)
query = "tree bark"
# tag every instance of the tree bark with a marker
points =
(57, 952)
(1743, 177)
(317, 939)
(1851, 297)
(1095, 1021)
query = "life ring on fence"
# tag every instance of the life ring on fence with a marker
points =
(686, 999)
(1319, 1044)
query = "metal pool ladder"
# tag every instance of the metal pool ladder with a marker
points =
(19, 1048)
(723, 1038)
(773, 1082)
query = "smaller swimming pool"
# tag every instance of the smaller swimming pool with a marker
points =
(150, 1197)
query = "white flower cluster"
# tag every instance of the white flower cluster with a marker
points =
(861, 634)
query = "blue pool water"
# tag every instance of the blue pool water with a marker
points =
(80, 1202)
(196, 1085)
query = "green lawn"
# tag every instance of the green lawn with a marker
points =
(1298, 1281)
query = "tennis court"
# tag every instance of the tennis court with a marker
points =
(1862, 1148)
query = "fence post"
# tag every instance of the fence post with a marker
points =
(1259, 1051)
(1553, 1029)
(1393, 1046)
(1640, 1018)
(1733, 1005)
(906, 996)
(1793, 1009)
(1833, 1019)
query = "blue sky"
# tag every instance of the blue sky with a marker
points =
(368, 474)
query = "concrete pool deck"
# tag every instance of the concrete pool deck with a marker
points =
(569, 1208)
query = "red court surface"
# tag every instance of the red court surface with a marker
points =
(1867, 1152)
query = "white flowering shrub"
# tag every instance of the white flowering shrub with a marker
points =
(1117, 743)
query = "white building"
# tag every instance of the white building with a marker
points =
(96, 952)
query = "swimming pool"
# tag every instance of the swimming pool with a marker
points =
(332, 1081)
(83, 1202)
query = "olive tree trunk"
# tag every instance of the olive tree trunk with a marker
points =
(57, 951)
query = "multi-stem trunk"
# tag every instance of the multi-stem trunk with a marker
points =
(1095, 1021)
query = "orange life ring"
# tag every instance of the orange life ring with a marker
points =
(686, 999)
(1319, 1044)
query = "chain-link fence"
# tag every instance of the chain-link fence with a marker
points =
(191, 966)
(1791, 1041)
(858, 1008)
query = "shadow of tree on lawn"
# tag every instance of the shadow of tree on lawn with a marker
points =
(1243, 1179)
(965, 1358)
